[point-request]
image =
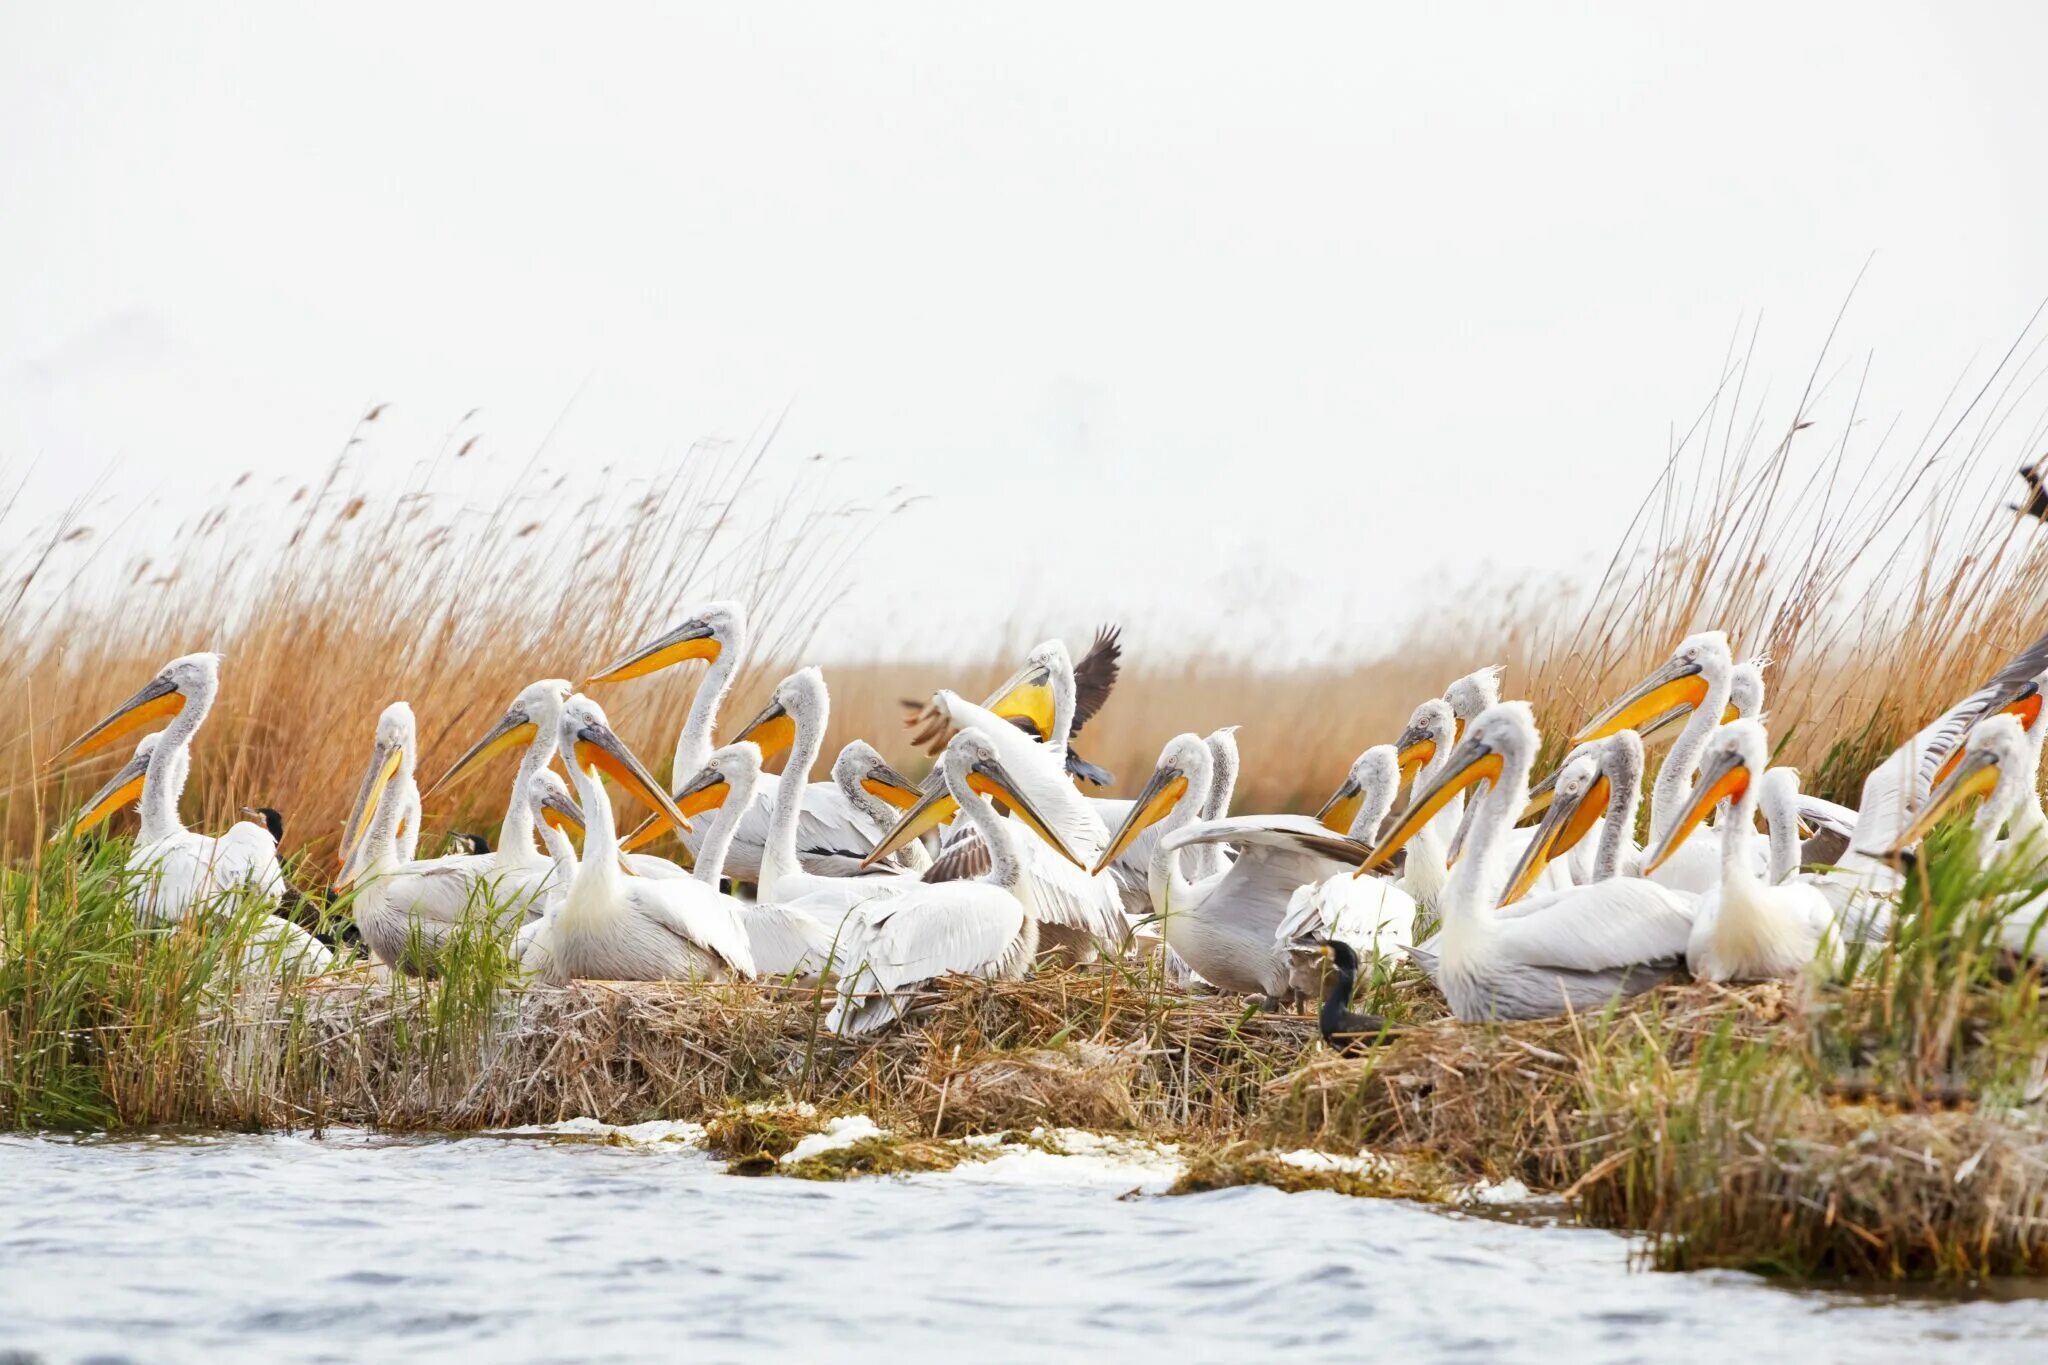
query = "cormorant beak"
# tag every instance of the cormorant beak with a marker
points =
(1972, 774)
(1027, 695)
(1474, 760)
(1678, 685)
(159, 700)
(1342, 808)
(384, 764)
(1565, 823)
(598, 749)
(693, 639)
(1163, 791)
(1723, 777)
(989, 777)
(773, 730)
(122, 788)
(513, 729)
(884, 782)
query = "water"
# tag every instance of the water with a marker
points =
(353, 1247)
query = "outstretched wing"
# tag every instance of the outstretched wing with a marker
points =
(1096, 674)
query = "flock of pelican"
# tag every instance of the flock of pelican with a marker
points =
(1517, 901)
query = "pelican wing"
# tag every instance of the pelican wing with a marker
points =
(786, 940)
(1610, 925)
(953, 927)
(1281, 834)
(698, 915)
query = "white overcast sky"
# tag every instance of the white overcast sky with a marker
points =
(1206, 310)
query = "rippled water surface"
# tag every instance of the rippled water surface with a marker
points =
(353, 1247)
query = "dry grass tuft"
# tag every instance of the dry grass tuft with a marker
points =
(1081, 1085)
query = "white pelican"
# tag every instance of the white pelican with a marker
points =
(529, 723)
(407, 910)
(1600, 781)
(976, 926)
(126, 786)
(183, 870)
(785, 940)
(1225, 927)
(554, 813)
(1698, 675)
(881, 794)
(1999, 763)
(615, 926)
(1745, 928)
(1372, 916)
(1028, 702)
(1575, 949)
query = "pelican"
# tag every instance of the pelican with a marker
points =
(183, 870)
(554, 813)
(1027, 702)
(1575, 949)
(879, 793)
(1746, 928)
(1421, 752)
(1745, 702)
(976, 926)
(1600, 780)
(1372, 916)
(530, 723)
(1225, 927)
(1998, 763)
(615, 926)
(1132, 868)
(1698, 675)
(784, 940)
(408, 910)
(126, 786)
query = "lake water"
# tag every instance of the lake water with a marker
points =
(537, 1248)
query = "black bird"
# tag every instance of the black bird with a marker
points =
(2036, 505)
(295, 905)
(1343, 1030)
(462, 842)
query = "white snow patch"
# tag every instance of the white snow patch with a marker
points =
(837, 1133)
(1509, 1191)
(1077, 1158)
(656, 1132)
(1306, 1159)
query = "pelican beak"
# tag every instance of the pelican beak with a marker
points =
(1414, 749)
(598, 749)
(693, 639)
(1542, 794)
(1677, 685)
(561, 812)
(123, 787)
(1027, 696)
(1723, 778)
(1973, 773)
(1457, 848)
(1564, 825)
(706, 791)
(383, 767)
(886, 783)
(993, 780)
(513, 729)
(1162, 793)
(2025, 708)
(773, 730)
(650, 830)
(932, 809)
(159, 700)
(1342, 808)
(1473, 761)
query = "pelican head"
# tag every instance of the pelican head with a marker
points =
(397, 742)
(1682, 681)
(1031, 693)
(1182, 775)
(707, 634)
(1998, 750)
(1733, 761)
(1579, 794)
(1501, 739)
(1367, 788)
(972, 761)
(535, 714)
(121, 789)
(592, 747)
(548, 796)
(1472, 694)
(177, 683)
(712, 786)
(859, 765)
(800, 701)
(2022, 702)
